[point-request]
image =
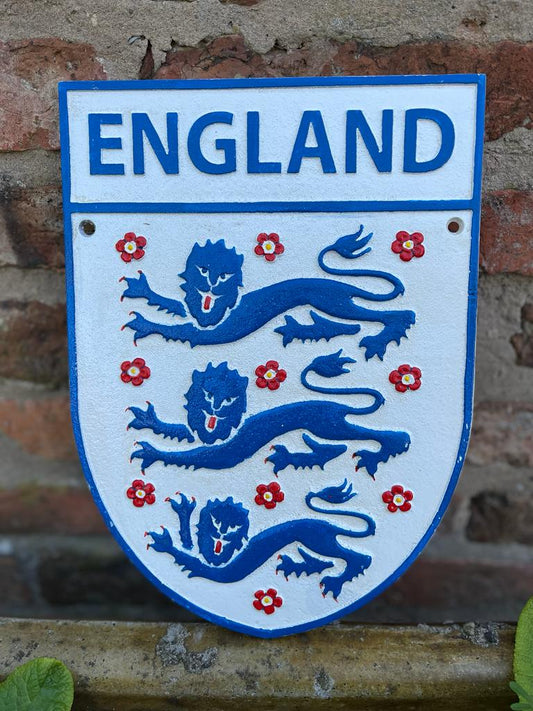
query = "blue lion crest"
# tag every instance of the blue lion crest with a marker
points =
(222, 541)
(220, 314)
(216, 404)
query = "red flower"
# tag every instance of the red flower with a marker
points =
(270, 375)
(134, 372)
(142, 493)
(269, 246)
(131, 246)
(406, 378)
(408, 245)
(268, 495)
(267, 601)
(397, 498)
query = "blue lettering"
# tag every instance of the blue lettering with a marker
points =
(322, 150)
(142, 126)
(311, 129)
(444, 122)
(355, 121)
(97, 144)
(226, 145)
(252, 139)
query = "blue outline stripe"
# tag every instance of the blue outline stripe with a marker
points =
(473, 205)
(64, 134)
(221, 207)
(286, 82)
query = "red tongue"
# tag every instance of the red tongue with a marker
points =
(207, 303)
(218, 546)
(212, 422)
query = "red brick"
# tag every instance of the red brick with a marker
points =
(36, 509)
(452, 585)
(523, 342)
(15, 591)
(41, 426)
(506, 228)
(29, 72)
(226, 56)
(74, 578)
(34, 342)
(33, 226)
(500, 517)
(146, 70)
(502, 433)
(508, 66)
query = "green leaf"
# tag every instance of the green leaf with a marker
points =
(40, 685)
(523, 659)
(520, 691)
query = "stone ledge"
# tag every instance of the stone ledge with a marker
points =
(131, 666)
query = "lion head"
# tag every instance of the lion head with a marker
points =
(222, 529)
(216, 402)
(211, 281)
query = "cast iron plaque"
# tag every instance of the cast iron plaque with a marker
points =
(271, 304)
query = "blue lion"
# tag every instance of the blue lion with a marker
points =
(230, 556)
(216, 404)
(211, 282)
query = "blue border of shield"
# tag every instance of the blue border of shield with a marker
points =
(351, 206)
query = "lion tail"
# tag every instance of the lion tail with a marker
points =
(339, 495)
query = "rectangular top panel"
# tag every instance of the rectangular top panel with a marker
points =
(283, 141)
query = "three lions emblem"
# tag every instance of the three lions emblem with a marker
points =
(271, 417)
(271, 292)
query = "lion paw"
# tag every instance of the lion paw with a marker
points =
(147, 454)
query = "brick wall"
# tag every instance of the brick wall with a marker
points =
(56, 558)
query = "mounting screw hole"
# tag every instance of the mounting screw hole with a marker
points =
(87, 227)
(455, 225)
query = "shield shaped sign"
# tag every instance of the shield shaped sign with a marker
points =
(271, 295)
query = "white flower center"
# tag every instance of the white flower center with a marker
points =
(140, 494)
(267, 496)
(266, 601)
(270, 374)
(269, 246)
(408, 379)
(133, 371)
(130, 247)
(398, 499)
(408, 244)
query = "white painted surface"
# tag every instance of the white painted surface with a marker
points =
(280, 110)
(436, 289)
(433, 415)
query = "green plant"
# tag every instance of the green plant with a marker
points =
(523, 660)
(39, 685)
